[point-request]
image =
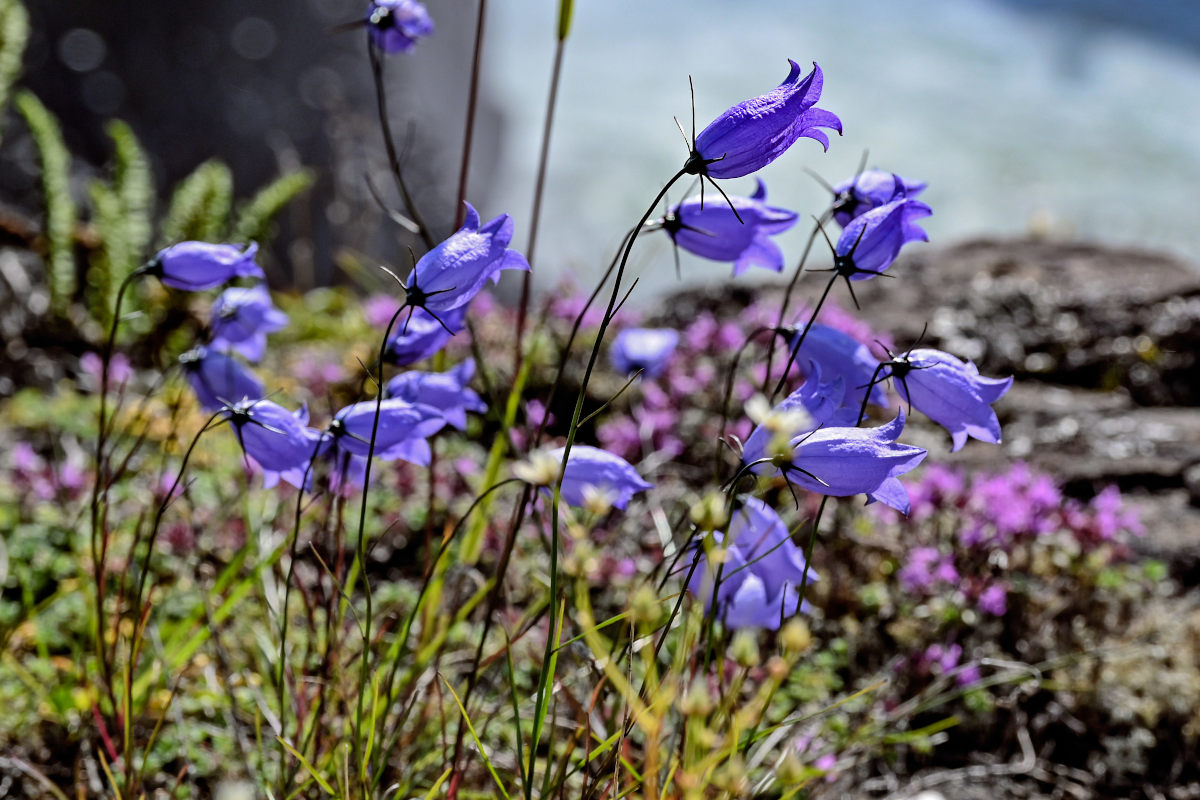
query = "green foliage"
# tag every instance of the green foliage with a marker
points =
(254, 217)
(133, 183)
(200, 205)
(112, 255)
(56, 190)
(14, 33)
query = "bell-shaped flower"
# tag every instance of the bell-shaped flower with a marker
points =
(951, 392)
(591, 473)
(718, 232)
(195, 266)
(242, 318)
(840, 355)
(274, 437)
(842, 462)
(400, 422)
(868, 190)
(645, 349)
(217, 379)
(761, 572)
(445, 392)
(814, 404)
(755, 132)
(449, 275)
(395, 25)
(421, 336)
(870, 243)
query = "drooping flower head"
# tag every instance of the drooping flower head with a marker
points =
(395, 25)
(446, 392)
(841, 462)
(718, 232)
(196, 266)
(242, 318)
(755, 132)
(451, 274)
(868, 190)
(870, 243)
(758, 581)
(949, 391)
(840, 355)
(590, 473)
(274, 437)
(421, 336)
(217, 379)
(647, 349)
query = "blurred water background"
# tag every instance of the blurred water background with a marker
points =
(1078, 118)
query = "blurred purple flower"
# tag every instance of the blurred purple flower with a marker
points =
(395, 25)
(755, 132)
(647, 349)
(449, 275)
(195, 266)
(993, 600)
(242, 318)
(217, 379)
(868, 190)
(119, 368)
(949, 391)
(926, 568)
(446, 392)
(714, 231)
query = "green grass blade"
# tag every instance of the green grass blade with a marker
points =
(471, 728)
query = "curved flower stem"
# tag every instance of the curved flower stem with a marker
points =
(795, 349)
(787, 294)
(544, 678)
(539, 188)
(469, 129)
(390, 145)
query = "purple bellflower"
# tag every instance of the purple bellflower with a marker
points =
(421, 335)
(395, 25)
(949, 391)
(242, 318)
(274, 437)
(196, 266)
(870, 243)
(841, 355)
(755, 132)
(739, 231)
(868, 190)
(217, 379)
(758, 584)
(445, 392)
(814, 404)
(449, 275)
(590, 473)
(400, 422)
(841, 462)
(647, 349)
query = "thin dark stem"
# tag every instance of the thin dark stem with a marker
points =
(469, 130)
(390, 145)
(566, 352)
(795, 348)
(539, 188)
(100, 484)
(728, 394)
(787, 297)
(361, 548)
